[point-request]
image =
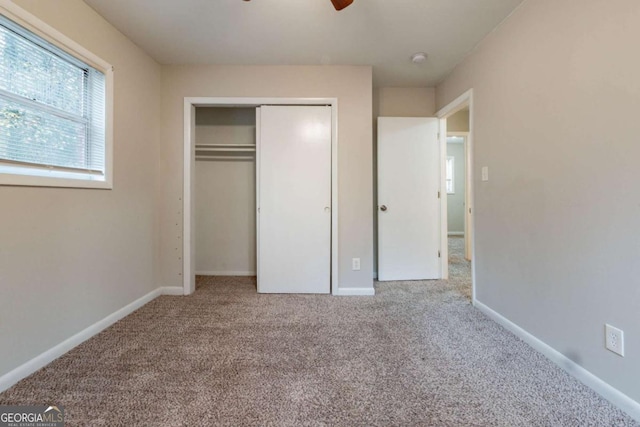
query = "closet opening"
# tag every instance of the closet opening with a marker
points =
(225, 191)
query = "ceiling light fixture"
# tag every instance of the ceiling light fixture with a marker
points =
(418, 58)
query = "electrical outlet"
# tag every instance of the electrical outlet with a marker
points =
(355, 264)
(614, 339)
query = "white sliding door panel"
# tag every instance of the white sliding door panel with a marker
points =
(408, 204)
(294, 199)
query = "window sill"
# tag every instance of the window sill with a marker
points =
(44, 178)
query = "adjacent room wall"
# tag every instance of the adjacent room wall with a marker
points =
(71, 257)
(459, 122)
(351, 85)
(225, 195)
(556, 102)
(395, 102)
(455, 202)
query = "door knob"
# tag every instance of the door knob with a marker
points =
(383, 208)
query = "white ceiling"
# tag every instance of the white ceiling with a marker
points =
(381, 33)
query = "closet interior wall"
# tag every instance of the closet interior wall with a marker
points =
(225, 191)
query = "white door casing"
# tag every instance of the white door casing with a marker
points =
(408, 199)
(294, 199)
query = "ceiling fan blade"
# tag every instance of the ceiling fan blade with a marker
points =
(341, 4)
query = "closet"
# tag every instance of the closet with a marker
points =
(263, 195)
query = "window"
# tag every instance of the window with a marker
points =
(451, 189)
(53, 113)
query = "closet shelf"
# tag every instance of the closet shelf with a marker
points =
(225, 147)
(213, 158)
(210, 152)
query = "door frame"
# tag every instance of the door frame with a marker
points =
(188, 199)
(462, 101)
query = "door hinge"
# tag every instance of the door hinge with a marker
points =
(438, 194)
(439, 254)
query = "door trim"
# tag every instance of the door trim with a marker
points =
(188, 199)
(462, 101)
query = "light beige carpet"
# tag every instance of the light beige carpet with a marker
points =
(416, 354)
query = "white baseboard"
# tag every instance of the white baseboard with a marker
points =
(225, 273)
(605, 390)
(455, 233)
(40, 361)
(172, 290)
(356, 291)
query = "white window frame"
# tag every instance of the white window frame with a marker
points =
(38, 176)
(451, 159)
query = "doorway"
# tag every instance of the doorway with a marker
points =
(456, 184)
(188, 199)
(456, 139)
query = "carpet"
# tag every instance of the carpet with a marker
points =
(416, 354)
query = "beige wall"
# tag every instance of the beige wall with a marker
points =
(406, 102)
(459, 122)
(225, 194)
(556, 98)
(353, 88)
(396, 102)
(71, 257)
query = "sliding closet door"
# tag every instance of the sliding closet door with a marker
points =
(294, 199)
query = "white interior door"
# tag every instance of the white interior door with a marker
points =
(408, 202)
(294, 199)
